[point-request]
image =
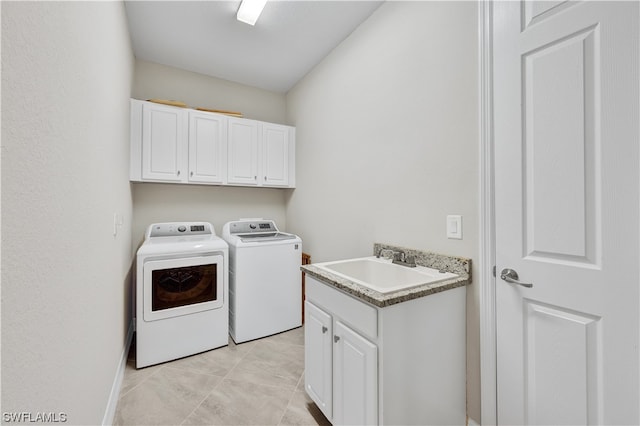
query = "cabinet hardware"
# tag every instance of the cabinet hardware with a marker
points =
(336, 338)
(324, 329)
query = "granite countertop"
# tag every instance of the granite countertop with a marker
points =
(457, 265)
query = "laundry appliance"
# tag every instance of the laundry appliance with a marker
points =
(265, 281)
(181, 292)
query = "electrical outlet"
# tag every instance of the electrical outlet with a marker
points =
(454, 227)
(117, 223)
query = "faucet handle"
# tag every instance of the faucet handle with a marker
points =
(387, 253)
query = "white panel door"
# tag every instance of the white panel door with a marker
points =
(207, 147)
(567, 211)
(275, 154)
(242, 146)
(355, 378)
(318, 354)
(164, 138)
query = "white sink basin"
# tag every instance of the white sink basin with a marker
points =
(383, 276)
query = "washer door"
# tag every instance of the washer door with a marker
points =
(174, 287)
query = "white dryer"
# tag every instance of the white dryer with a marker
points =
(265, 294)
(182, 303)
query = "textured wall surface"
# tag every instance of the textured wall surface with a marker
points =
(67, 69)
(387, 143)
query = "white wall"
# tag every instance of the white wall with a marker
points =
(154, 202)
(387, 143)
(67, 69)
(158, 81)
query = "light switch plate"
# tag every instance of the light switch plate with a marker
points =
(454, 227)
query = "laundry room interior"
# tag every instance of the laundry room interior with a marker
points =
(387, 129)
(386, 147)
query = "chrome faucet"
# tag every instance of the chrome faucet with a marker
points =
(408, 261)
(398, 257)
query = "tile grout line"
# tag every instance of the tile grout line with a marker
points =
(293, 395)
(222, 379)
(141, 382)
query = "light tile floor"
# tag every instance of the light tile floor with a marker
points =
(254, 383)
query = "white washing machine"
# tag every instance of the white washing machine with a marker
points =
(265, 294)
(181, 292)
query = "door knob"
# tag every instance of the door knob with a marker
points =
(511, 276)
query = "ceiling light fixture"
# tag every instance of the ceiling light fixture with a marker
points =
(250, 10)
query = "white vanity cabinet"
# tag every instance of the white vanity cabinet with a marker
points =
(398, 364)
(355, 368)
(181, 145)
(318, 357)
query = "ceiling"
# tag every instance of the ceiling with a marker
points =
(289, 39)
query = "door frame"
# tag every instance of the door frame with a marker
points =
(487, 249)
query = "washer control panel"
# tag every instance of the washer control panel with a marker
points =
(172, 229)
(252, 227)
(260, 226)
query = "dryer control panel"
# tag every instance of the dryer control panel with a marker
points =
(172, 229)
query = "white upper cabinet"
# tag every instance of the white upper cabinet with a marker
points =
(277, 155)
(260, 154)
(181, 145)
(207, 148)
(163, 134)
(242, 152)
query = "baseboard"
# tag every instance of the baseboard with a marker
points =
(117, 381)
(471, 422)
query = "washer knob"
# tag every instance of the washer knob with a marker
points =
(252, 226)
(182, 228)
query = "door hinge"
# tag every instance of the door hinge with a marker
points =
(494, 271)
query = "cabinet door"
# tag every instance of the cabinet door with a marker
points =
(355, 378)
(242, 151)
(317, 357)
(164, 143)
(207, 147)
(275, 155)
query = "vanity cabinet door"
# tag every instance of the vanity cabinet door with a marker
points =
(317, 357)
(355, 378)
(207, 147)
(164, 138)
